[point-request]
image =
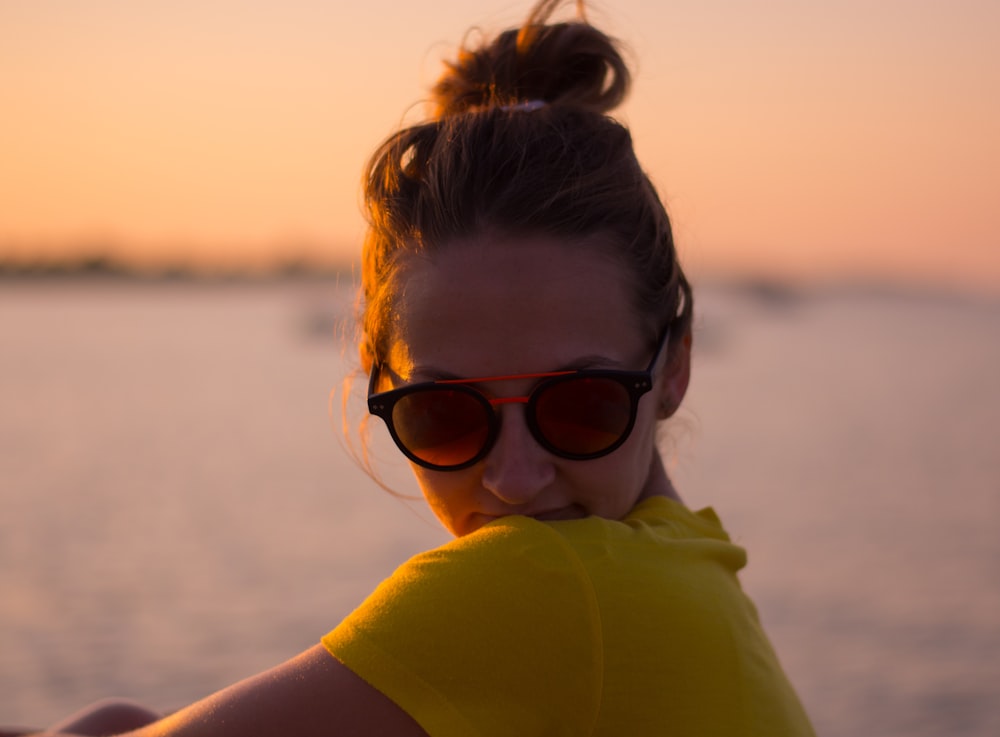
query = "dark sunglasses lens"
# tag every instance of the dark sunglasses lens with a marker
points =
(442, 426)
(583, 416)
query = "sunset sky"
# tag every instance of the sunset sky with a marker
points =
(817, 140)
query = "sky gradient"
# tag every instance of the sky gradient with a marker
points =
(808, 140)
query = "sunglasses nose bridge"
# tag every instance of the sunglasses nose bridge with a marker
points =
(497, 401)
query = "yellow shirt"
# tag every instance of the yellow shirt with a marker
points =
(584, 627)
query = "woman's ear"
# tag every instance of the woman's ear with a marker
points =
(675, 375)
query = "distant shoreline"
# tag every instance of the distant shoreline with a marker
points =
(768, 289)
(108, 269)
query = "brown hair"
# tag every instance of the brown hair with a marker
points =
(521, 142)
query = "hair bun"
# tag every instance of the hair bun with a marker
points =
(570, 63)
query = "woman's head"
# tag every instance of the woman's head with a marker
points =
(520, 382)
(521, 144)
(514, 234)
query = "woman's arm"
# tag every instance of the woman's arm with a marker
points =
(312, 694)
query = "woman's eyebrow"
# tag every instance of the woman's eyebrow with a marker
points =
(592, 362)
(430, 373)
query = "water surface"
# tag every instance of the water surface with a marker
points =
(178, 510)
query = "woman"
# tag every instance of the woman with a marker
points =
(526, 327)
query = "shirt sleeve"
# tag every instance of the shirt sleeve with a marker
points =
(497, 633)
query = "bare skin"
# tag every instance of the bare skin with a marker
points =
(305, 696)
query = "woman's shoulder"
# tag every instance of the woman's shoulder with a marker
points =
(504, 564)
(560, 565)
(656, 521)
(519, 555)
(505, 611)
(514, 551)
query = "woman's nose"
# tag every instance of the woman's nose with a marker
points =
(517, 468)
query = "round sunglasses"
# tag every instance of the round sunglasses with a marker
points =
(447, 425)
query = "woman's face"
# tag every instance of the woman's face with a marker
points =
(500, 306)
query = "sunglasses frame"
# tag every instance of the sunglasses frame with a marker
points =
(636, 383)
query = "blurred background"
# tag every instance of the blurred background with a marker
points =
(791, 139)
(179, 225)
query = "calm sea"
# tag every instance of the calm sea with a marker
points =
(178, 509)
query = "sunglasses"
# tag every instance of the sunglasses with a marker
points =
(449, 424)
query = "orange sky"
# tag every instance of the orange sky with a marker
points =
(806, 139)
